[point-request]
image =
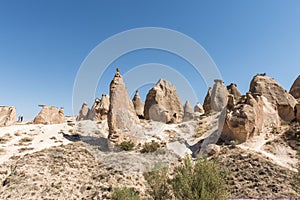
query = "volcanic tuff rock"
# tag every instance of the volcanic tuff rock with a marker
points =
(94, 113)
(232, 89)
(199, 108)
(138, 105)
(7, 115)
(243, 120)
(219, 96)
(297, 111)
(207, 101)
(188, 112)
(295, 89)
(163, 100)
(104, 106)
(275, 94)
(83, 113)
(121, 118)
(50, 115)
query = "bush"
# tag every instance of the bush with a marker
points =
(158, 182)
(202, 180)
(124, 193)
(126, 145)
(150, 147)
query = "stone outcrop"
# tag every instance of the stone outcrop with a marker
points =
(295, 89)
(275, 94)
(50, 115)
(138, 105)
(207, 101)
(219, 96)
(188, 112)
(122, 119)
(163, 103)
(247, 118)
(198, 108)
(232, 89)
(83, 113)
(7, 115)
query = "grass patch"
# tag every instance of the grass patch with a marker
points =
(150, 147)
(126, 145)
(124, 193)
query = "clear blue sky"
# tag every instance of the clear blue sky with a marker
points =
(43, 43)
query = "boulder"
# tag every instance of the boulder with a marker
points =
(198, 108)
(188, 112)
(295, 89)
(219, 96)
(138, 105)
(163, 98)
(275, 94)
(122, 119)
(207, 101)
(7, 115)
(232, 89)
(83, 113)
(50, 115)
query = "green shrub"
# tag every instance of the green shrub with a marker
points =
(158, 182)
(126, 145)
(150, 147)
(202, 180)
(124, 193)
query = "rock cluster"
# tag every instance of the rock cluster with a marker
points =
(7, 115)
(219, 96)
(232, 89)
(50, 115)
(207, 101)
(163, 103)
(98, 111)
(199, 108)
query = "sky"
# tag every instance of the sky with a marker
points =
(43, 44)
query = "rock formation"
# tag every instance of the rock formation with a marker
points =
(207, 101)
(188, 112)
(297, 111)
(83, 113)
(94, 113)
(50, 115)
(199, 108)
(219, 96)
(295, 89)
(247, 118)
(138, 105)
(232, 89)
(243, 120)
(122, 118)
(104, 106)
(7, 115)
(163, 103)
(275, 94)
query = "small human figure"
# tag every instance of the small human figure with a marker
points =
(21, 118)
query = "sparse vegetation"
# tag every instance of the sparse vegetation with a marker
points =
(126, 145)
(25, 149)
(158, 180)
(274, 130)
(202, 180)
(124, 193)
(150, 147)
(234, 143)
(25, 139)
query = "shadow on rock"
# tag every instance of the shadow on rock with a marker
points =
(100, 142)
